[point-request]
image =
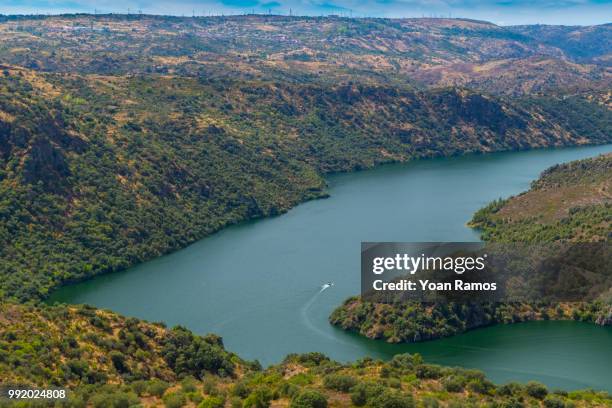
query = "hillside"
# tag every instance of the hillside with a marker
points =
(73, 346)
(568, 202)
(577, 42)
(97, 174)
(421, 52)
(108, 361)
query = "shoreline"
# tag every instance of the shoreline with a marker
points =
(323, 195)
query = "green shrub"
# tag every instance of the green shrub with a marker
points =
(235, 402)
(259, 398)
(209, 385)
(189, 384)
(513, 403)
(510, 389)
(113, 400)
(428, 371)
(359, 395)
(536, 390)
(406, 361)
(286, 389)
(241, 389)
(483, 386)
(363, 392)
(302, 379)
(308, 359)
(175, 400)
(454, 383)
(195, 397)
(552, 401)
(139, 387)
(212, 402)
(157, 388)
(78, 367)
(338, 382)
(394, 382)
(188, 354)
(430, 402)
(392, 399)
(309, 399)
(385, 372)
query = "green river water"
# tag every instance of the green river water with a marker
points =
(258, 284)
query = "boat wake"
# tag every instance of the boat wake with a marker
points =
(306, 319)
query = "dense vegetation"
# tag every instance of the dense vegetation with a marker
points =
(568, 202)
(109, 361)
(100, 170)
(63, 346)
(125, 137)
(99, 173)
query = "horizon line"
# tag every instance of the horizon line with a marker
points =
(290, 15)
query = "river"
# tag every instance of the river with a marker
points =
(258, 284)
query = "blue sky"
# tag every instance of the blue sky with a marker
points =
(503, 12)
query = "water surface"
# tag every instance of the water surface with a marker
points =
(258, 284)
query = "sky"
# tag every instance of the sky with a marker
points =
(502, 12)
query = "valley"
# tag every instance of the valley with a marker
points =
(269, 265)
(217, 174)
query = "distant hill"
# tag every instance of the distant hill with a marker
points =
(587, 44)
(421, 52)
